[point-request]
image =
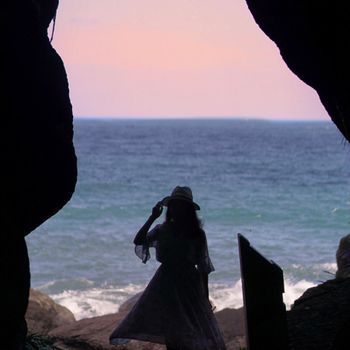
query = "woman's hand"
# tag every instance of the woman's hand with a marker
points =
(157, 210)
(140, 237)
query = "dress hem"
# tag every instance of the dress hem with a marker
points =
(141, 337)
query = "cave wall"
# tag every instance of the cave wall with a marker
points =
(312, 36)
(38, 163)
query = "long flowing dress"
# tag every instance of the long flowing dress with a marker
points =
(174, 308)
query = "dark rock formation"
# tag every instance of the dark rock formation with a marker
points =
(320, 318)
(38, 163)
(231, 323)
(313, 38)
(44, 315)
(89, 333)
(39, 167)
(93, 333)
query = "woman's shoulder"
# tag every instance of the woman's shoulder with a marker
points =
(162, 228)
(155, 232)
(166, 226)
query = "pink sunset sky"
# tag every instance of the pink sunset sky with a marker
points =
(176, 58)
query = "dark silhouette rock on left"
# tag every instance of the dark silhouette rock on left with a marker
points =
(38, 162)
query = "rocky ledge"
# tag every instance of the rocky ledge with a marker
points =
(46, 317)
(319, 319)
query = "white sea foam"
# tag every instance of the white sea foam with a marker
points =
(316, 272)
(330, 267)
(101, 301)
(231, 296)
(96, 301)
(294, 290)
(226, 295)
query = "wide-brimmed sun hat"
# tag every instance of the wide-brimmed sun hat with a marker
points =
(183, 193)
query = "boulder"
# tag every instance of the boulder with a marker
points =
(231, 323)
(320, 318)
(43, 314)
(93, 333)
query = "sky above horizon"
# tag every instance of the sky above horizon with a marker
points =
(183, 58)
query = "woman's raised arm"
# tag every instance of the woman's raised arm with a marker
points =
(140, 237)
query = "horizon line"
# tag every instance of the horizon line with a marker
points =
(241, 118)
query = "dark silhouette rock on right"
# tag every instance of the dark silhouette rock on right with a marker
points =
(313, 39)
(320, 318)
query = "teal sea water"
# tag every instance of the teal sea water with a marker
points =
(284, 185)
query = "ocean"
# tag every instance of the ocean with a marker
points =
(283, 185)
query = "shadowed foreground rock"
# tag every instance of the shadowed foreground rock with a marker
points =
(313, 38)
(44, 315)
(320, 318)
(93, 333)
(38, 163)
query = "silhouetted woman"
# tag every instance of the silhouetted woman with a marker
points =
(174, 309)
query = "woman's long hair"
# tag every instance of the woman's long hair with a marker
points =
(184, 217)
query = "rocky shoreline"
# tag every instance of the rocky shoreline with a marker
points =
(46, 317)
(318, 320)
